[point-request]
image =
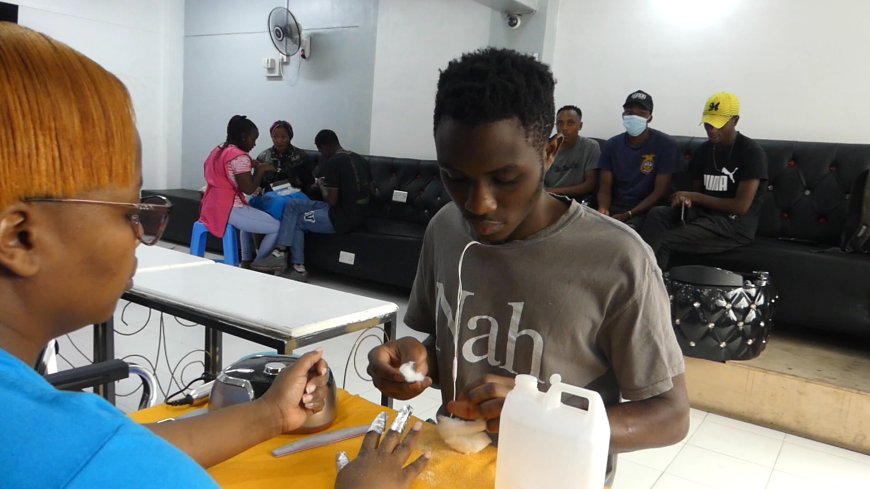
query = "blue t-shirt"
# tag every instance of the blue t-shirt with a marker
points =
(57, 439)
(635, 169)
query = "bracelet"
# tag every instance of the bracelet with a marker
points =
(629, 214)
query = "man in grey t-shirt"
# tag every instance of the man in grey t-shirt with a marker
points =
(575, 171)
(494, 290)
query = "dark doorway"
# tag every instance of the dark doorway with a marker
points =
(8, 12)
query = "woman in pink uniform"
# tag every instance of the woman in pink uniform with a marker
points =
(229, 175)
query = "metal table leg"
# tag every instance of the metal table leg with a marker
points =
(213, 351)
(104, 349)
(389, 335)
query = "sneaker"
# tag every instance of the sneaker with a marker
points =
(246, 264)
(271, 264)
(297, 273)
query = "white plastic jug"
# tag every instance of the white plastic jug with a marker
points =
(544, 443)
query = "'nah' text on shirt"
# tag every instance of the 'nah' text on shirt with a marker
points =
(489, 338)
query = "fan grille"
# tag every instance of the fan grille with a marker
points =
(284, 30)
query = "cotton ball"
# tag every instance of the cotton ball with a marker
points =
(409, 370)
(463, 436)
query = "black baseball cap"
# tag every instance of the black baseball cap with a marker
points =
(640, 98)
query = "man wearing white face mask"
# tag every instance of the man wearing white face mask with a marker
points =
(636, 166)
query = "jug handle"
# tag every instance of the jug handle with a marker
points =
(553, 397)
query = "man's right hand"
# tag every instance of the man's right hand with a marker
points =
(604, 210)
(682, 198)
(384, 363)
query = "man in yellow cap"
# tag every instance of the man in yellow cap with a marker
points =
(728, 174)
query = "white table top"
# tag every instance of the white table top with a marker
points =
(259, 302)
(156, 258)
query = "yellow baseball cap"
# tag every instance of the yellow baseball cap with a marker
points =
(720, 107)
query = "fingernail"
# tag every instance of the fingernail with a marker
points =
(417, 426)
(310, 388)
(427, 454)
(307, 398)
(379, 423)
(341, 460)
(402, 418)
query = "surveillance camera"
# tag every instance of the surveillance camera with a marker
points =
(514, 20)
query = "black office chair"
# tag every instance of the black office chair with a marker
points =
(100, 373)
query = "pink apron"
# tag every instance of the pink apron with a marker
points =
(217, 203)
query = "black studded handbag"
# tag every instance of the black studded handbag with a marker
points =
(720, 315)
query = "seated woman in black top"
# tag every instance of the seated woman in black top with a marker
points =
(293, 165)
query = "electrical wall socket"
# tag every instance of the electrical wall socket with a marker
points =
(346, 257)
(272, 67)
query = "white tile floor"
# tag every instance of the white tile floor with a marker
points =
(718, 453)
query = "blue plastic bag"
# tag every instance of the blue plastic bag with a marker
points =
(273, 204)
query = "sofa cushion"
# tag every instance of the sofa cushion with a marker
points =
(418, 179)
(390, 227)
(420, 183)
(378, 257)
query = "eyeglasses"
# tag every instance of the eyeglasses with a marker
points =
(149, 220)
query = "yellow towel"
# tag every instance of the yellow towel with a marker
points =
(257, 468)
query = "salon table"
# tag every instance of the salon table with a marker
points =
(272, 311)
(315, 468)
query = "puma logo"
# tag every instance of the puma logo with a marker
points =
(729, 173)
(309, 217)
(714, 107)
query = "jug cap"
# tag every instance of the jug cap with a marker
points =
(526, 382)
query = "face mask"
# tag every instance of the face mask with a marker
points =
(634, 124)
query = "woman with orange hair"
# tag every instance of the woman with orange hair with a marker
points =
(67, 253)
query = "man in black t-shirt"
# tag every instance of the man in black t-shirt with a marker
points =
(728, 175)
(345, 182)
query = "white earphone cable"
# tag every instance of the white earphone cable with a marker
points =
(457, 314)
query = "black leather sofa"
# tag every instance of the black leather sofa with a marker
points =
(802, 218)
(799, 233)
(406, 193)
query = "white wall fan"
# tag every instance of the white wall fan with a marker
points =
(288, 38)
(287, 35)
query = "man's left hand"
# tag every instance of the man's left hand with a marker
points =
(484, 399)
